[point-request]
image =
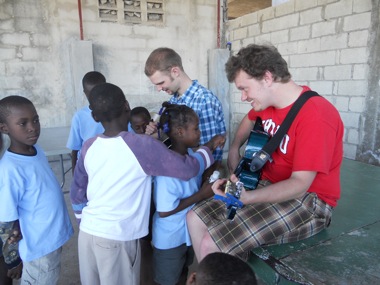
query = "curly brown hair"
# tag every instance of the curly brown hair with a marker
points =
(255, 60)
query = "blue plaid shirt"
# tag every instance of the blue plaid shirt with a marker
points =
(209, 110)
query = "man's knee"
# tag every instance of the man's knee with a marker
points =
(207, 241)
(191, 216)
(208, 245)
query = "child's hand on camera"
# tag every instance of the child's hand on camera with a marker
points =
(151, 129)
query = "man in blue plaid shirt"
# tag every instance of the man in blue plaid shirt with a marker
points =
(164, 69)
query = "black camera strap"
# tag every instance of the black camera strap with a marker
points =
(263, 155)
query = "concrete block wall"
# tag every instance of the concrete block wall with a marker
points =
(332, 46)
(36, 37)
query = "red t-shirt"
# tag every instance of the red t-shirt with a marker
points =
(314, 142)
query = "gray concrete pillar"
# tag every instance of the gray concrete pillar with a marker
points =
(219, 85)
(81, 62)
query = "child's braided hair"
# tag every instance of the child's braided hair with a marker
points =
(175, 116)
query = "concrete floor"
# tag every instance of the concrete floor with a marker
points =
(70, 265)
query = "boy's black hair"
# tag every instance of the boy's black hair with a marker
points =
(224, 269)
(141, 111)
(93, 78)
(9, 102)
(107, 102)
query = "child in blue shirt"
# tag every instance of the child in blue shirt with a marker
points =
(173, 198)
(10, 262)
(83, 126)
(140, 118)
(31, 194)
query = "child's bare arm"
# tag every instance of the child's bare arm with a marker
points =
(204, 192)
(215, 142)
(74, 158)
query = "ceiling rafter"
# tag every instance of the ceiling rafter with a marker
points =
(238, 8)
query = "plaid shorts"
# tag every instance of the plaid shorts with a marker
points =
(263, 224)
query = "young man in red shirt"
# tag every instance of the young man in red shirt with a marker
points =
(301, 185)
